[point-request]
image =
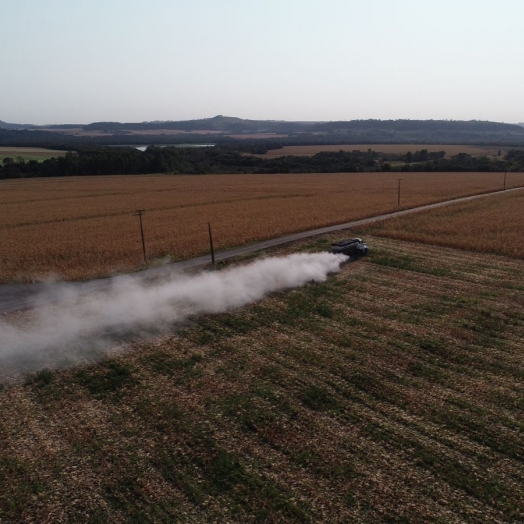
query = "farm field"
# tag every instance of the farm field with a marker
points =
(399, 149)
(390, 393)
(79, 131)
(493, 225)
(28, 153)
(84, 227)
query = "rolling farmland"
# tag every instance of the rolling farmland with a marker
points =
(390, 393)
(84, 227)
(398, 149)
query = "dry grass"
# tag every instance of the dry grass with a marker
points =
(390, 393)
(398, 149)
(83, 227)
(493, 225)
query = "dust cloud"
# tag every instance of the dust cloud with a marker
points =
(83, 327)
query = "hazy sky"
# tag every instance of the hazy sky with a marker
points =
(81, 61)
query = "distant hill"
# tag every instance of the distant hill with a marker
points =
(233, 125)
(226, 130)
(5, 125)
(221, 124)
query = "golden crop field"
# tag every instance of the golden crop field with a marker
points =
(392, 392)
(398, 149)
(81, 227)
(494, 225)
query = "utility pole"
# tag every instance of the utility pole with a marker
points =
(211, 244)
(505, 173)
(398, 197)
(139, 213)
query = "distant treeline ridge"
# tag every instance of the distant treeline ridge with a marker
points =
(230, 130)
(222, 160)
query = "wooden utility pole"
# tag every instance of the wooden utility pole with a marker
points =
(139, 213)
(211, 244)
(398, 196)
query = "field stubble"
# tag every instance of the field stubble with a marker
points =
(77, 228)
(390, 393)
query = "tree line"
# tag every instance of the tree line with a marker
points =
(222, 160)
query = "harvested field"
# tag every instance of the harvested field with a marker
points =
(83, 227)
(28, 153)
(398, 149)
(258, 135)
(390, 393)
(493, 225)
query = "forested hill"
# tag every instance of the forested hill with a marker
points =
(225, 124)
(436, 131)
(5, 125)
(361, 130)
(228, 130)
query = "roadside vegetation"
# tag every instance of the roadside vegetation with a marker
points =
(390, 393)
(81, 227)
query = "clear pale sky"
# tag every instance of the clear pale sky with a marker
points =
(81, 61)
